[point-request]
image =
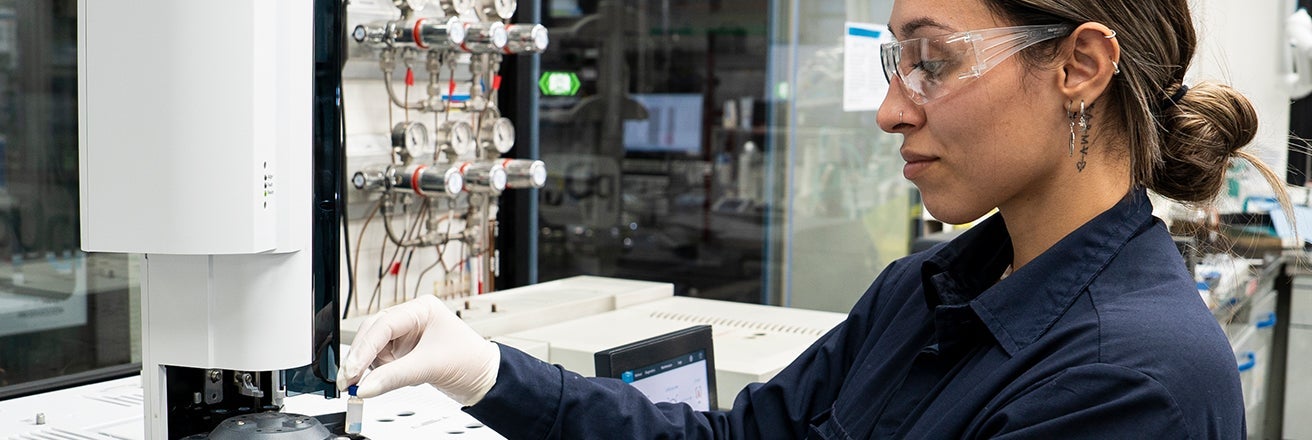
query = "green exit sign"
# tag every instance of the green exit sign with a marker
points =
(559, 84)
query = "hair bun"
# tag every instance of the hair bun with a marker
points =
(1201, 133)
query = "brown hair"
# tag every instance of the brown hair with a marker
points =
(1179, 150)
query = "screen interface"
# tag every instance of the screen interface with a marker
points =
(682, 379)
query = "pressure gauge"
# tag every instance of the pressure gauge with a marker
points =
(410, 136)
(497, 134)
(526, 38)
(485, 37)
(456, 138)
(413, 5)
(455, 7)
(499, 8)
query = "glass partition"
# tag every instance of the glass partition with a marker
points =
(705, 144)
(64, 315)
(844, 210)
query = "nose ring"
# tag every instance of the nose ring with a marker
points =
(900, 119)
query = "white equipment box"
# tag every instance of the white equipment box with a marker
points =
(752, 342)
(522, 308)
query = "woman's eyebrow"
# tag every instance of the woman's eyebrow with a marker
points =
(916, 24)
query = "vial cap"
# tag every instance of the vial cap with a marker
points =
(351, 389)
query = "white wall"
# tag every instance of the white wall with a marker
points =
(1243, 43)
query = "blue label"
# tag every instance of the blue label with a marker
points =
(859, 32)
(627, 376)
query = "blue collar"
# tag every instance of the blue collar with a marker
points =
(963, 276)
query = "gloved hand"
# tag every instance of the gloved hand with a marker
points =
(419, 342)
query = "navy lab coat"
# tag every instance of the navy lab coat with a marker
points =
(1102, 336)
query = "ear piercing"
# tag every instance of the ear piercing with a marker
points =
(1114, 64)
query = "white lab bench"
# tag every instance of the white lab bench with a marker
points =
(752, 343)
(112, 410)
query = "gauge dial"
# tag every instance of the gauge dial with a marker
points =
(415, 5)
(457, 138)
(498, 134)
(455, 7)
(410, 136)
(502, 8)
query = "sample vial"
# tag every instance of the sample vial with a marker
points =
(354, 411)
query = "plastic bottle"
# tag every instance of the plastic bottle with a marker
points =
(750, 174)
(354, 411)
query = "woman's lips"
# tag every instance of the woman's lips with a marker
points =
(916, 164)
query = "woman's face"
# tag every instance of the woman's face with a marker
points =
(995, 140)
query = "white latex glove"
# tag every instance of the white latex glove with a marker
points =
(420, 342)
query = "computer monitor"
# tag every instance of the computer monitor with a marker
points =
(673, 126)
(673, 367)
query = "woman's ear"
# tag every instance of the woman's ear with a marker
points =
(1088, 60)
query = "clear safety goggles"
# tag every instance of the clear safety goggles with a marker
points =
(930, 68)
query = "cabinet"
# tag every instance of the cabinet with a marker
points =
(1270, 328)
(1298, 383)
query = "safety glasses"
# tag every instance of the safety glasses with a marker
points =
(930, 68)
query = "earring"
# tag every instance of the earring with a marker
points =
(1114, 65)
(1071, 116)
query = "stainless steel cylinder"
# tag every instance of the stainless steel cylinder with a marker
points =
(424, 180)
(525, 174)
(375, 34)
(484, 177)
(526, 39)
(372, 179)
(430, 181)
(431, 33)
(488, 37)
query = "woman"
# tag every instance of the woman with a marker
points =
(1068, 314)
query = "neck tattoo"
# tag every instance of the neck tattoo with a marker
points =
(1086, 119)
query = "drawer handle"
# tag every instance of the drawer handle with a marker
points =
(1249, 363)
(1269, 322)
